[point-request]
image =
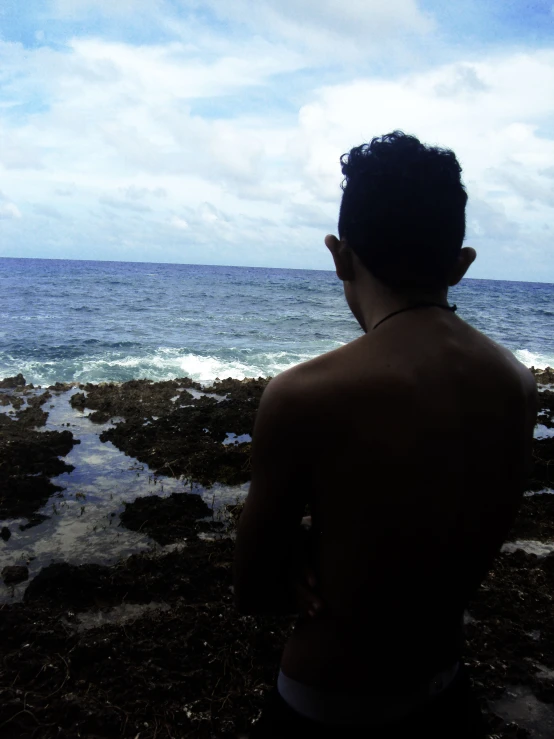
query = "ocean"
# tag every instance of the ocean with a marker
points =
(89, 321)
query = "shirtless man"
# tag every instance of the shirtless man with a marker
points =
(411, 445)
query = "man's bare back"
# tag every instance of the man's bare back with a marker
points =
(417, 450)
(411, 446)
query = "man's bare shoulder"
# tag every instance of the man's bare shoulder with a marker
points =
(513, 367)
(364, 368)
(314, 373)
(320, 381)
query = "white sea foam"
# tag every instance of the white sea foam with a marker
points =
(164, 367)
(167, 363)
(534, 359)
(163, 364)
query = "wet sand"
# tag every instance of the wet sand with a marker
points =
(124, 624)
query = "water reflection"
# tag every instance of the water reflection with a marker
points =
(83, 524)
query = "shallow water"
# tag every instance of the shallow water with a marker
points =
(121, 614)
(529, 546)
(543, 432)
(85, 517)
(520, 705)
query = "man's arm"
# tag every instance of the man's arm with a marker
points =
(268, 543)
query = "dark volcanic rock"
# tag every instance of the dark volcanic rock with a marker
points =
(99, 417)
(166, 520)
(543, 376)
(177, 444)
(139, 579)
(202, 656)
(32, 416)
(248, 389)
(175, 433)
(134, 399)
(547, 565)
(546, 397)
(14, 574)
(543, 464)
(60, 387)
(40, 399)
(27, 460)
(514, 628)
(16, 401)
(535, 519)
(78, 401)
(198, 669)
(75, 586)
(13, 382)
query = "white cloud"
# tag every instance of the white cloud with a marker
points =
(120, 204)
(66, 191)
(210, 214)
(179, 223)
(492, 126)
(489, 220)
(343, 28)
(75, 9)
(328, 28)
(310, 215)
(139, 193)
(171, 70)
(18, 150)
(47, 211)
(140, 130)
(465, 78)
(530, 187)
(8, 210)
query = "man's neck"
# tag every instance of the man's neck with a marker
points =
(380, 301)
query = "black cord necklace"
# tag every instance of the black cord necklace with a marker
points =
(417, 305)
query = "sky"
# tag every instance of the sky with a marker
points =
(210, 132)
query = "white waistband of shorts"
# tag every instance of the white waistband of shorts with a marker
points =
(359, 710)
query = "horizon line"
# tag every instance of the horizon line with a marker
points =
(239, 266)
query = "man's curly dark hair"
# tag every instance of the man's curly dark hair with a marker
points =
(403, 210)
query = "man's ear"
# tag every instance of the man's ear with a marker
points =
(466, 257)
(342, 257)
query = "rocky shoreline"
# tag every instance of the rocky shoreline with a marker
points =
(151, 645)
